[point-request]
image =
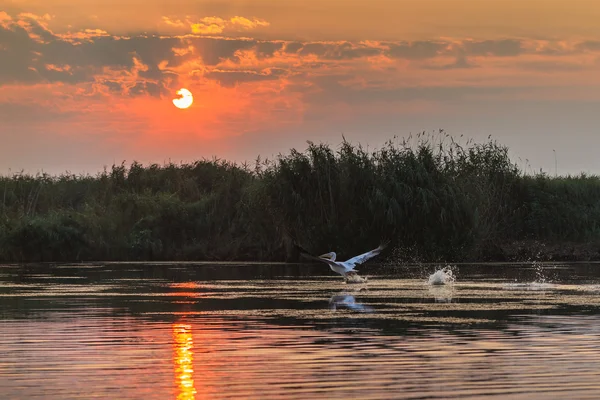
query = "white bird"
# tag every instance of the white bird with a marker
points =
(344, 268)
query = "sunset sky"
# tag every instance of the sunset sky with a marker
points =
(89, 83)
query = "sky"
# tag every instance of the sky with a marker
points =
(89, 84)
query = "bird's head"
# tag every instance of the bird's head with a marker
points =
(328, 256)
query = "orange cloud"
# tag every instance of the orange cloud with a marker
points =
(209, 26)
(214, 25)
(247, 23)
(45, 17)
(177, 23)
(84, 35)
(120, 87)
(4, 16)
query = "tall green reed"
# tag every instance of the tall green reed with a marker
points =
(433, 197)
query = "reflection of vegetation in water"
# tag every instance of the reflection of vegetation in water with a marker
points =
(183, 359)
(433, 197)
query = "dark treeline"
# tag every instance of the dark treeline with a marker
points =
(434, 199)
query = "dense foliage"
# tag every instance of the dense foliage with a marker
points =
(432, 197)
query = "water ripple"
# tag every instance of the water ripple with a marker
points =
(155, 338)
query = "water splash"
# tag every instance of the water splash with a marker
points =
(402, 256)
(353, 277)
(442, 276)
(541, 281)
(540, 277)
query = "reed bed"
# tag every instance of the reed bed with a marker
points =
(434, 198)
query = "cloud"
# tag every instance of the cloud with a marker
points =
(95, 56)
(335, 50)
(497, 48)
(215, 50)
(293, 47)
(268, 49)
(101, 63)
(32, 53)
(247, 23)
(177, 23)
(84, 35)
(94, 83)
(461, 62)
(232, 78)
(589, 45)
(416, 50)
(4, 16)
(210, 26)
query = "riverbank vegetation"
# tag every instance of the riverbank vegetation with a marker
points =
(433, 198)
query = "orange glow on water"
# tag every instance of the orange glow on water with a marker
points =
(184, 361)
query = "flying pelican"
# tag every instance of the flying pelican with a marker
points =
(344, 268)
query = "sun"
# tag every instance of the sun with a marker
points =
(185, 100)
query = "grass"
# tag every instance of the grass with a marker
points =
(435, 199)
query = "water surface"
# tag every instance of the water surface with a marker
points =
(205, 331)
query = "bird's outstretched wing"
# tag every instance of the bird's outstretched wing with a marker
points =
(304, 253)
(366, 256)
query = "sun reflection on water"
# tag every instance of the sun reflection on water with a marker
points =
(183, 361)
